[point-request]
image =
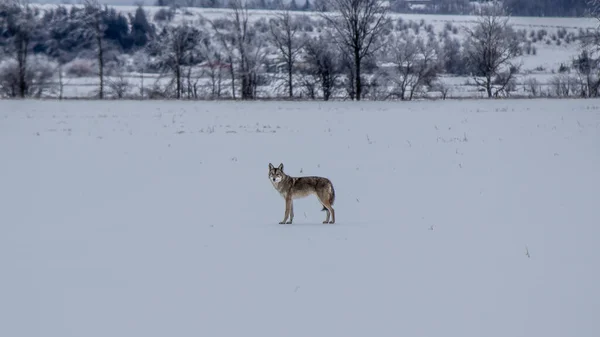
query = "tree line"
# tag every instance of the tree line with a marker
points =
(357, 49)
(542, 8)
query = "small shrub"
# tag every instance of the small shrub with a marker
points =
(38, 76)
(80, 68)
(541, 34)
(221, 23)
(563, 68)
(417, 29)
(569, 38)
(533, 86)
(261, 25)
(164, 14)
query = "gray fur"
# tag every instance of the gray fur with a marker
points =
(299, 187)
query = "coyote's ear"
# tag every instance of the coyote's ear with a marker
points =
(280, 167)
(271, 166)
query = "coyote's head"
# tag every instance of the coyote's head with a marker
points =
(276, 173)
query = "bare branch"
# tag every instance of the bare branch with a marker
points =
(283, 34)
(490, 47)
(358, 24)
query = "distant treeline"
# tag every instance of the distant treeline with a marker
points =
(541, 8)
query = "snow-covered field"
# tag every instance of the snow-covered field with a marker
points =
(468, 218)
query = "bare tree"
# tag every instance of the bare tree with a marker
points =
(38, 77)
(416, 64)
(490, 47)
(244, 48)
(283, 33)
(588, 71)
(175, 48)
(227, 41)
(241, 45)
(19, 23)
(593, 8)
(358, 24)
(563, 85)
(95, 29)
(533, 86)
(248, 48)
(442, 87)
(215, 66)
(141, 61)
(591, 40)
(323, 59)
(61, 83)
(505, 81)
(119, 85)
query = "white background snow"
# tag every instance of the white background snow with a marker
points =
(143, 219)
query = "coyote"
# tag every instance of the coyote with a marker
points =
(298, 187)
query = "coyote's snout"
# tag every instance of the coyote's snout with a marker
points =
(298, 187)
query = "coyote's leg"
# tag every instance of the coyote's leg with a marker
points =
(291, 212)
(288, 202)
(327, 218)
(328, 213)
(324, 199)
(332, 214)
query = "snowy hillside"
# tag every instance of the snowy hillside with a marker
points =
(135, 219)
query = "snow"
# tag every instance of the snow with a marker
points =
(153, 218)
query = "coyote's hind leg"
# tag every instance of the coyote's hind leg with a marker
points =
(329, 209)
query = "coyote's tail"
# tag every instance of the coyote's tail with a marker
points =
(331, 198)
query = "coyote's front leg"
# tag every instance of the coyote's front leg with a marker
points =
(289, 208)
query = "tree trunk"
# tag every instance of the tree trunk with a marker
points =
(326, 84)
(60, 82)
(358, 88)
(232, 74)
(142, 84)
(290, 83)
(178, 80)
(22, 61)
(100, 64)
(213, 81)
(290, 62)
(219, 83)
